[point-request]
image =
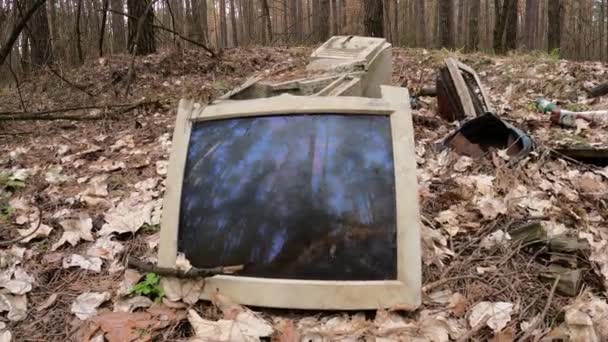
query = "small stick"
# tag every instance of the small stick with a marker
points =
(443, 281)
(531, 329)
(10, 242)
(73, 85)
(172, 272)
(474, 330)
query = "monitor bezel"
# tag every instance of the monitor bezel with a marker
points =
(403, 292)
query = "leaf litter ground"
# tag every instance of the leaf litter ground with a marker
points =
(97, 185)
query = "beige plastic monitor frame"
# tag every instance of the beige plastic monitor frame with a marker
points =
(403, 292)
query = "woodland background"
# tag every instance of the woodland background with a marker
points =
(67, 32)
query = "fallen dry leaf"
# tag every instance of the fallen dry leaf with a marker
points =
(5, 334)
(130, 278)
(128, 216)
(16, 281)
(187, 290)
(587, 318)
(105, 248)
(130, 304)
(74, 231)
(458, 305)
(15, 305)
(89, 263)
(245, 328)
(498, 314)
(85, 306)
(47, 303)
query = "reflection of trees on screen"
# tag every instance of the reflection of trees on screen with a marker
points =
(308, 196)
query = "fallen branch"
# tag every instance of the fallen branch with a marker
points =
(172, 272)
(10, 242)
(469, 334)
(73, 85)
(536, 322)
(60, 113)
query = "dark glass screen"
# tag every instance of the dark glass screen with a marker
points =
(298, 196)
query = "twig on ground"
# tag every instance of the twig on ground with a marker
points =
(540, 318)
(10, 242)
(172, 272)
(474, 330)
(68, 82)
(60, 113)
(435, 284)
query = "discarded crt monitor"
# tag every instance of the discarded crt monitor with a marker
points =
(342, 66)
(316, 196)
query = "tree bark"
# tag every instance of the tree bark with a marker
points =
(421, 21)
(145, 44)
(235, 29)
(267, 30)
(320, 13)
(198, 29)
(223, 25)
(119, 43)
(77, 28)
(531, 22)
(12, 38)
(373, 15)
(473, 36)
(554, 29)
(445, 18)
(40, 36)
(102, 31)
(511, 34)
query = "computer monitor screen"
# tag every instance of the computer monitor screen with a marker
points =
(292, 196)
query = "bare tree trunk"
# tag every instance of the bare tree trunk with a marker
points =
(40, 35)
(421, 22)
(223, 25)
(266, 15)
(511, 34)
(554, 29)
(12, 38)
(78, 38)
(102, 31)
(446, 23)
(473, 37)
(372, 22)
(145, 44)
(320, 16)
(531, 22)
(235, 29)
(197, 30)
(118, 26)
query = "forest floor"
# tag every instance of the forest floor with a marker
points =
(91, 190)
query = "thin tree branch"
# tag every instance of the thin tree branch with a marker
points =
(73, 85)
(140, 25)
(60, 112)
(172, 272)
(12, 38)
(160, 27)
(10, 68)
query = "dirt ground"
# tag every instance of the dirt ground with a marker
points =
(98, 172)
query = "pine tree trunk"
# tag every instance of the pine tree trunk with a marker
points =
(473, 36)
(146, 44)
(373, 14)
(554, 29)
(118, 26)
(197, 27)
(445, 23)
(40, 36)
